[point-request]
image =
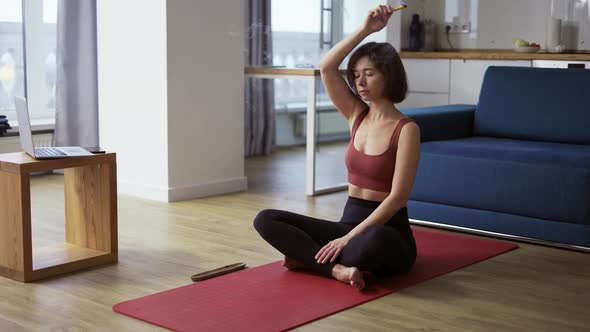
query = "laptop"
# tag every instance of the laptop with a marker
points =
(26, 138)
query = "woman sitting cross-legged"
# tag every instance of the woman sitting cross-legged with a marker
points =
(374, 233)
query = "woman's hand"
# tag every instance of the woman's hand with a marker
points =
(377, 18)
(330, 251)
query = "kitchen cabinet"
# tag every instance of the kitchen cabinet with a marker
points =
(561, 64)
(428, 82)
(434, 82)
(467, 77)
(421, 99)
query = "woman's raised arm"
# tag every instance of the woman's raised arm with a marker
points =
(343, 98)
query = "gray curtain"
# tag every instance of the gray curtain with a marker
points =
(259, 97)
(76, 115)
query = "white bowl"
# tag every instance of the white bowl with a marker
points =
(527, 49)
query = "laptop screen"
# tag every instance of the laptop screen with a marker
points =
(24, 125)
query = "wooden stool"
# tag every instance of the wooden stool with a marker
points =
(90, 185)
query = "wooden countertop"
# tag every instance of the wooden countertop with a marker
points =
(262, 70)
(283, 71)
(473, 54)
(20, 162)
(495, 55)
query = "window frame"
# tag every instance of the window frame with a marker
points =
(34, 55)
(35, 52)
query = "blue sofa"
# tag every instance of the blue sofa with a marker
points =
(517, 163)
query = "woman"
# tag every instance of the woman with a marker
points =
(374, 234)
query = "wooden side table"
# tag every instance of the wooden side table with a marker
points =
(90, 185)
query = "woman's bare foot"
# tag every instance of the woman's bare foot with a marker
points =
(349, 275)
(292, 264)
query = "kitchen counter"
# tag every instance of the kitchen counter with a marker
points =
(282, 72)
(496, 54)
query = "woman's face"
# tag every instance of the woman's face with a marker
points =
(369, 82)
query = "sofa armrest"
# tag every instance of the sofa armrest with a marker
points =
(439, 123)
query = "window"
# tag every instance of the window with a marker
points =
(295, 43)
(31, 73)
(303, 33)
(12, 80)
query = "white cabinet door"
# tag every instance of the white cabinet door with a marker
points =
(428, 82)
(467, 76)
(427, 75)
(421, 99)
(561, 64)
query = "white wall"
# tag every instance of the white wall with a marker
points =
(171, 96)
(355, 13)
(132, 85)
(205, 97)
(500, 21)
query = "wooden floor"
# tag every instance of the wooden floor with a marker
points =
(533, 288)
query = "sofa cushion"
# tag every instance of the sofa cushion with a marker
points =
(527, 178)
(443, 122)
(542, 104)
(504, 223)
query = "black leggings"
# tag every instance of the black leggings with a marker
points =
(383, 250)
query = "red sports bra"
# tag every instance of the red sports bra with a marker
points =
(374, 172)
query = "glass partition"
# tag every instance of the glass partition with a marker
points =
(331, 137)
(304, 114)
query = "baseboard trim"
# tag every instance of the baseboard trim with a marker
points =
(499, 235)
(144, 191)
(183, 193)
(210, 188)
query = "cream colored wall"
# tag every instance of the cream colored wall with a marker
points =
(205, 97)
(171, 97)
(501, 21)
(132, 84)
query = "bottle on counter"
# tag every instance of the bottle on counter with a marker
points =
(563, 28)
(428, 35)
(552, 34)
(415, 33)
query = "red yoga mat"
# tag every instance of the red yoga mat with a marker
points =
(271, 298)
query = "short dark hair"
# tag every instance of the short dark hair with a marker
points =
(387, 61)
